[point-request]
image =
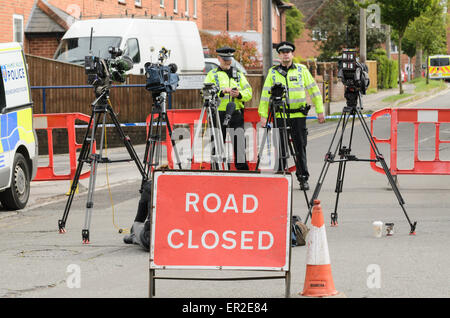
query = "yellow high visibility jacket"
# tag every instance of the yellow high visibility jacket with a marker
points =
(296, 81)
(221, 79)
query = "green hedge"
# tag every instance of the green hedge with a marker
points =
(387, 70)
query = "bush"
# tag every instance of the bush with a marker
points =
(393, 74)
(387, 70)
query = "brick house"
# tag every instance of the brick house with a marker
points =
(309, 9)
(40, 24)
(244, 18)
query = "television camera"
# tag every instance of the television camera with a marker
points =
(159, 77)
(102, 72)
(353, 73)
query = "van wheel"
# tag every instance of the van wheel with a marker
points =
(16, 197)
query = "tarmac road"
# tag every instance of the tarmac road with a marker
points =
(37, 261)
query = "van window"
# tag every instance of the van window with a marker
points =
(2, 93)
(74, 50)
(442, 61)
(132, 50)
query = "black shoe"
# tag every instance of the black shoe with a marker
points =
(131, 238)
(128, 239)
(304, 185)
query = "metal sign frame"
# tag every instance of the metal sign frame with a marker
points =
(153, 267)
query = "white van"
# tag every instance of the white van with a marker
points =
(18, 142)
(140, 39)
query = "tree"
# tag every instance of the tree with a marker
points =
(337, 27)
(246, 52)
(294, 23)
(398, 14)
(428, 31)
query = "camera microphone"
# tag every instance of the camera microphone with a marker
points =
(125, 63)
(231, 107)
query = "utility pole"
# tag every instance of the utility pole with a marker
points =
(228, 18)
(362, 35)
(267, 35)
(388, 41)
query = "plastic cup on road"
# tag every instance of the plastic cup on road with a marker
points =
(377, 228)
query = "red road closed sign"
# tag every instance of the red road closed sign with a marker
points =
(220, 220)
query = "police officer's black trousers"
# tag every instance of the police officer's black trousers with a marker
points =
(237, 131)
(299, 134)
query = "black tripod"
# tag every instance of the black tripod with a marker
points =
(283, 142)
(101, 107)
(153, 153)
(352, 110)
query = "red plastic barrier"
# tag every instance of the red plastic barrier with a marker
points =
(59, 121)
(416, 117)
(190, 117)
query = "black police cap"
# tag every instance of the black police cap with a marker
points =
(225, 52)
(285, 45)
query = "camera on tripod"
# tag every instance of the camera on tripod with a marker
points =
(102, 72)
(159, 77)
(352, 73)
(209, 93)
(277, 92)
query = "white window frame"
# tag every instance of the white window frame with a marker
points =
(186, 11)
(161, 3)
(138, 3)
(316, 35)
(18, 17)
(175, 6)
(394, 47)
(195, 9)
(122, 1)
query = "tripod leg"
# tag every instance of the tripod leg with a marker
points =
(126, 141)
(263, 141)
(174, 146)
(294, 152)
(329, 158)
(218, 161)
(82, 157)
(387, 171)
(344, 151)
(93, 176)
(197, 131)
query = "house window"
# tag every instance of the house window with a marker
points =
(318, 35)
(394, 47)
(186, 3)
(195, 9)
(175, 6)
(161, 3)
(138, 3)
(18, 28)
(122, 2)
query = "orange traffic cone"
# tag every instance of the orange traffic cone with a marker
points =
(318, 278)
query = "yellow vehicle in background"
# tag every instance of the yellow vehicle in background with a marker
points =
(439, 67)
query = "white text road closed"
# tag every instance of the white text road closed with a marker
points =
(226, 220)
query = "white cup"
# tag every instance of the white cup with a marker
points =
(377, 228)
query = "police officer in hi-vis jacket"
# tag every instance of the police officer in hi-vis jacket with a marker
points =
(296, 79)
(233, 88)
